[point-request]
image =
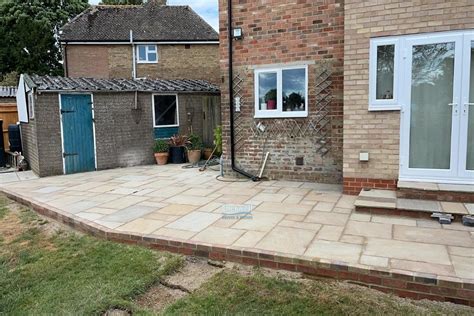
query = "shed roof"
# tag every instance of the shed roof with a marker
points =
(59, 84)
(7, 92)
(148, 23)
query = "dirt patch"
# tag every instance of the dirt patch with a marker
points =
(158, 297)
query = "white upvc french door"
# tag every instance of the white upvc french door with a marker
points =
(466, 144)
(434, 143)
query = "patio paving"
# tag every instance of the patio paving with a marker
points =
(307, 220)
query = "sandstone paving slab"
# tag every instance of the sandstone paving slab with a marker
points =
(103, 188)
(329, 232)
(128, 214)
(293, 199)
(218, 235)
(414, 251)
(49, 189)
(90, 216)
(352, 239)
(302, 225)
(199, 191)
(360, 217)
(418, 205)
(326, 218)
(238, 191)
(433, 236)
(322, 197)
(422, 267)
(368, 229)
(470, 208)
(176, 209)
(142, 226)
(346, 202)
(456, 187)
(124, 202)
(233, 199)
(293, 191)
(453, 208)
(334, 250)
(374, 261)
(85, 186)
(463, 266)
(108, 224)
(295, 218)
(249, 239)
(103, 197)
(428, 223)
(189, 200)
(260, 221)
(194, 221)
(287, 240)
(214, 207)
(101, 210)
(427, 186)
(324, 207)
(322, 187)
(124, 191)
(378, 195)
(162, 217)
(82, 206)
(168, 191)
(270, 197)
(457, 226)
(461, 251)
(375, 204)
(174, 233)
(283, 208)
(396, 220)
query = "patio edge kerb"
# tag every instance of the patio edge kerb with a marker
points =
(399, 282)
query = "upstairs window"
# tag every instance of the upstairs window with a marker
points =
(165, 111)
(281, 92)
(384, 69)
(147, 54)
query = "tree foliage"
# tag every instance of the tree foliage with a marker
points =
(121, 2)
(28, 34)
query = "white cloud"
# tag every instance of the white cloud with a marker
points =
(208, 9)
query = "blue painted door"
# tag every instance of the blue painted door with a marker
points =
(78, 133)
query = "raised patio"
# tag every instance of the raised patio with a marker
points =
(298, 226)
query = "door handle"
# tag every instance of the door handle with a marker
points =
(455, 107)
(68, 155)
(466, 108)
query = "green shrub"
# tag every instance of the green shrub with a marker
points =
(218, 140)
(195, 142)
(161, 146)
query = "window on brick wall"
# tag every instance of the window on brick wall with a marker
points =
(147, 54)
(384, 69)
(165, 110)
(281, 92)
(31, 105)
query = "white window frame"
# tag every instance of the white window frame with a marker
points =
(31, 105)
(147, 51)
(154, 114)
(279, 113)
(384, 104)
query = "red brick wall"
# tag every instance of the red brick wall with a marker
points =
(282, 32)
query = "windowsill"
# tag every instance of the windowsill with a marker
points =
(164, 126)
(375, 108)
(281, 115)
(147, 62)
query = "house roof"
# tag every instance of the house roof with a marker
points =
(149, 22)
(60, 84)
(7, 92)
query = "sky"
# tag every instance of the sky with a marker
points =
(208, 9)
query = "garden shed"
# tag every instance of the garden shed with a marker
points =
(71, 125)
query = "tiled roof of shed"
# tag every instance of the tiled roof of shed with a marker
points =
(148, 23)
(7, 92)
(49, 83)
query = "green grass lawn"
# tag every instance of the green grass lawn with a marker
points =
(232, 293)
(66, 273)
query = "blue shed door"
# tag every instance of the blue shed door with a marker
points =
(78, 133)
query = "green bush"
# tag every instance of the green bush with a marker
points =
(218, 140)
(195, 142)
(161, 146)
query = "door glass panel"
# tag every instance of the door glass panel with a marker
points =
(470, 122)
(431, 115)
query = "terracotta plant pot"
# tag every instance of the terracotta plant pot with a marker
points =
(161, 158)
(207, 153)
(194, 156)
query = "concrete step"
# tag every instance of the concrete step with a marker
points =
(387, 202)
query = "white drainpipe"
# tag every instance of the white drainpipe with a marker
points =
(134, 71)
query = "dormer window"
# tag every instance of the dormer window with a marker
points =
(147, 54)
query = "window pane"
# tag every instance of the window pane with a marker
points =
(141, 52)
(165, 110)
(294, 89)
(267, 94)
(151, 48)
(470, 122)
(431, 116)
(385, 65)
(151, 56)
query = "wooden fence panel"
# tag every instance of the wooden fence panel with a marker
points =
(9, 115)
(211, 110)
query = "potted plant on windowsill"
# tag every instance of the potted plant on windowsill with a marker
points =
(177, 145)
(161, 150)
(194, 149)
(270, 99)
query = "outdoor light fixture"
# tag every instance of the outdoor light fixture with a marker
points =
(237, 33)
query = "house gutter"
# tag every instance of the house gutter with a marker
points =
(231, 97)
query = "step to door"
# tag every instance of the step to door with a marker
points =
(387, 202)
(436, 191)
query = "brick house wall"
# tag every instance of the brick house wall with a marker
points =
(200, 61)
(30, 144)
(379, 132)
(284, 32)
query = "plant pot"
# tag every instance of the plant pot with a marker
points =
(194, 156)
(177, 155)
(207, 153)
(271, 104)
(161, 158)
